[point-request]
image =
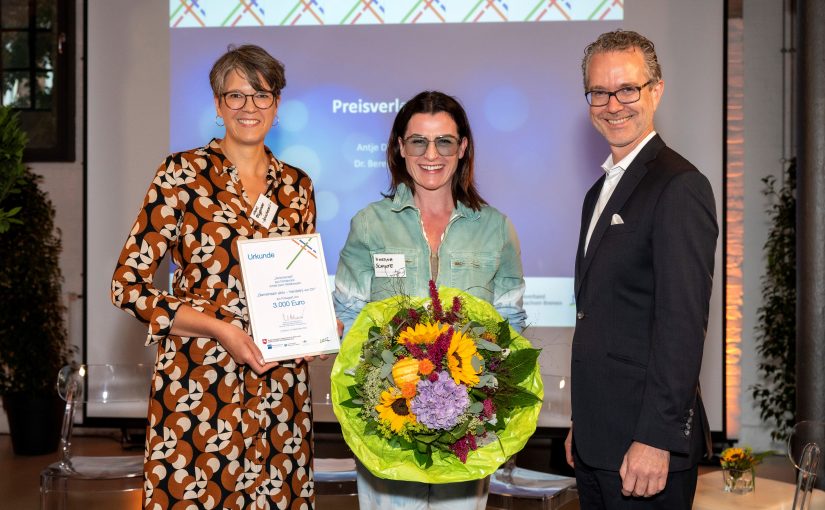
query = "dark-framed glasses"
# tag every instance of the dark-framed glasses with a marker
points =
(235, 100)
(625, 95)
(446, 145)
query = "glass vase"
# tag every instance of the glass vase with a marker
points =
(739, 481)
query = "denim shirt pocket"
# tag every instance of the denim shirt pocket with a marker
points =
(382, 287)
(473, 271)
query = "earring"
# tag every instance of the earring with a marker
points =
(276, 121)
(217, 118)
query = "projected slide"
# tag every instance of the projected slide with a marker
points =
(518, 79)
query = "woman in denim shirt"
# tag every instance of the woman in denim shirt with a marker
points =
(432, 225)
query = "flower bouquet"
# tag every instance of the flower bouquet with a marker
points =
(435, 390)
(738, 468)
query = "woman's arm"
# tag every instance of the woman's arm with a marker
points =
(239, 345)
(353, 277)
(508, 283)
(154, 230)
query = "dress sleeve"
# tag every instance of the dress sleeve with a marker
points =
(353, 277)
(154, 230)
(307, 190)
(508, 283)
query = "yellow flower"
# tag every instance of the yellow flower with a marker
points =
(394, 409)
(422, 333)
(733, 455)
(459, 359)
(404, 371)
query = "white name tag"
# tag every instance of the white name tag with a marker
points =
(264, 211)
(387, 265)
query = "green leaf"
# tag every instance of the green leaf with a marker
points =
(353, 403)
(423, 459)
(487, 345)
(518, 366)
(503, 336)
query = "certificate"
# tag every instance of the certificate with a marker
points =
(290, 305)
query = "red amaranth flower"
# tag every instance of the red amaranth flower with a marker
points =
(438, 312)
(463, 446)
(438, 349)
(489, 408)
(415, 350)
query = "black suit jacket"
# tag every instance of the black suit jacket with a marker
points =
(642, 298)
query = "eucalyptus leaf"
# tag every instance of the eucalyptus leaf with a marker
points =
(487, 345)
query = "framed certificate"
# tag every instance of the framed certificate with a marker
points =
(290, 305)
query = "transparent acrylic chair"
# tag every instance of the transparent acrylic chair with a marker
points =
(805, 445)
(85, 481)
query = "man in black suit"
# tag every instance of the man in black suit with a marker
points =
(644, 269)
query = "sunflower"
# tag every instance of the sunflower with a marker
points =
(460, 359)
(422, 333)
(394, 410)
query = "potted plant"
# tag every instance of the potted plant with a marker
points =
(32, 329)
(739, 468)
(776, 327)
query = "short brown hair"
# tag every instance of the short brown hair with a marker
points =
(253, 63)
(623, 40)
(432, 102)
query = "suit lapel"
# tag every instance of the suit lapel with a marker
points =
(631, 178)
(587, 212)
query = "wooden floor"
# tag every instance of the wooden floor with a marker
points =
(19, 476)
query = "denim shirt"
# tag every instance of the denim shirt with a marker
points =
(479, 254)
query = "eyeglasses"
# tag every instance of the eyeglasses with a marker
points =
(625, 95)
(446, 145)
(236, 100)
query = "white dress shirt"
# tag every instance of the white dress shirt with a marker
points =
(614, 174)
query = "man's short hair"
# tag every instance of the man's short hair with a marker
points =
(623, 40)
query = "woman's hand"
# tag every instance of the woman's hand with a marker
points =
(239, 345)
(323, 357)
(242, 348)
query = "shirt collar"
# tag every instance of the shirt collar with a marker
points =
(609, 167)
(273, 176)
(404, 198)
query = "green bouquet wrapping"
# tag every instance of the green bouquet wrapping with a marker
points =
(435, 390)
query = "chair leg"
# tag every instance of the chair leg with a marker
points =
(807, 477)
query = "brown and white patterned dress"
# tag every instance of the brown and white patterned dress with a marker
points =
(219, 436)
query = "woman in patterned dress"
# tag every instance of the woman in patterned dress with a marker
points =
(226, 429)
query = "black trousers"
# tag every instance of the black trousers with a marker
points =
(601, 489)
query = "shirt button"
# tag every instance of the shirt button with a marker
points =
(580, 315)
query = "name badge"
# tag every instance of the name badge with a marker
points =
(264, 211)
(389, 265)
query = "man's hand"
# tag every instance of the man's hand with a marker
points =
(568, 447)
(644, 470)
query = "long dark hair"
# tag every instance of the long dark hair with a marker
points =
(432, 102)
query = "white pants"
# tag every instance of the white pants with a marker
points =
(376, 493)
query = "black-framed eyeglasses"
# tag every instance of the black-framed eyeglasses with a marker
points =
(446, 145)
(625, 95)
(235, 100)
